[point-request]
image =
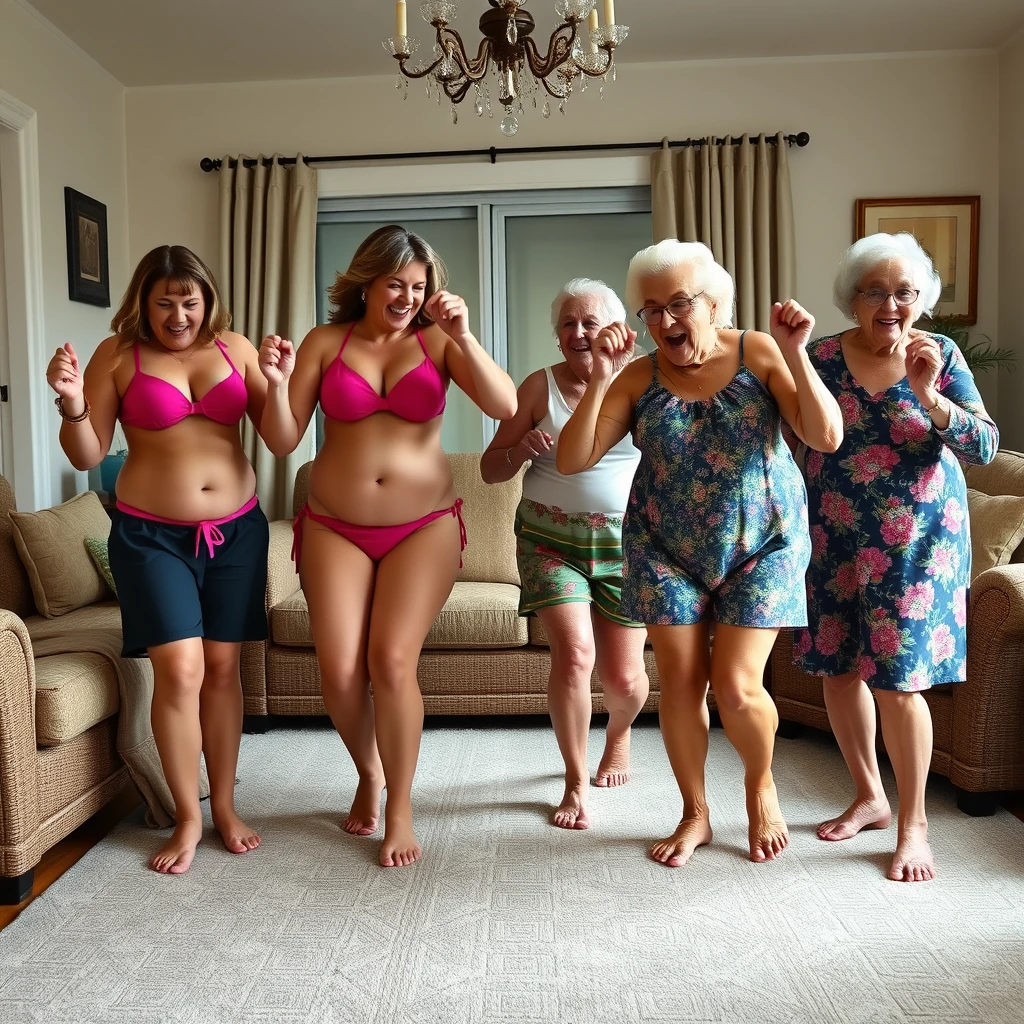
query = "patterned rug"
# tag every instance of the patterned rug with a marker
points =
(507, 919)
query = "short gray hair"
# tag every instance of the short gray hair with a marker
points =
(713, 279)
(612, 309)
(867, 253)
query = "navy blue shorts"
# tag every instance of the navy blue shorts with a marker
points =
(168, 591)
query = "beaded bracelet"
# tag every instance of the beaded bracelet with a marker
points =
(59, 402)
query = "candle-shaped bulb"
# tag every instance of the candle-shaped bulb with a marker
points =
(609, 12)
(592, 26)
(401, 24)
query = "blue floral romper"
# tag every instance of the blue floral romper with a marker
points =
(717, 516)
(887, 586)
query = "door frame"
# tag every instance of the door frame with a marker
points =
(23, 260)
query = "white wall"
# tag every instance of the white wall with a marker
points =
(81, 123)
(849, 106)
(1011, 238)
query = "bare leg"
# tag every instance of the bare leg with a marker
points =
(851, 713)
(620, 666)
(220, 715)
(337, 579)
(750, 720)
(571, 639)
(683, 662)
(177, 679)
(413, 583)
(907, 731)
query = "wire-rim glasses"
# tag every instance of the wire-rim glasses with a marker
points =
(678, 308)
(878, 296)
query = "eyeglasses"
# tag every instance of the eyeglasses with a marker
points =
(652, 315)
(877, 296)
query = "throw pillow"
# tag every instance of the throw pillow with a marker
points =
(101, 558)
(997, 528)
(51, 545)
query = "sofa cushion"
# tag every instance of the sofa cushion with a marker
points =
(73, 693)
(482, 615)
(997, 528)
(51, 544)
(489, 512)
(15, 591)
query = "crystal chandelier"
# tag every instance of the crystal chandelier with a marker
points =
(508, 54)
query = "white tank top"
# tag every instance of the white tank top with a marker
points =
(602, 488)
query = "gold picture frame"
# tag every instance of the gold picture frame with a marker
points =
(947, 228)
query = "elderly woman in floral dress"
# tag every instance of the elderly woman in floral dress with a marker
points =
(887, 585)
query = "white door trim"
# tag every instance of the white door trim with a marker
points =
(23, 257)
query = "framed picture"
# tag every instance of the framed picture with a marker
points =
(947, 228)
(86, 223)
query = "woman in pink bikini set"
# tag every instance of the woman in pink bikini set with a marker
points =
(188, 542)
(378, 544)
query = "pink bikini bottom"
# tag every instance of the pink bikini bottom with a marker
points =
(206, 529)
(374, 541)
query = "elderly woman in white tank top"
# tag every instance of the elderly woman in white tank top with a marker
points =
(569, 549)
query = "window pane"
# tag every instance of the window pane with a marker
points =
(544, 253)
(455, 241)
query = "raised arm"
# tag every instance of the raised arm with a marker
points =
(605, 412)
(293, 387)
(89, 402)
(945, 387)
(803, 400)
(517, 440)
(472, 369)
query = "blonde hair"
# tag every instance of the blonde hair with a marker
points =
(184, 272)
(712, 278)
(385, 252)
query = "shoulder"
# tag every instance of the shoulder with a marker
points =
(108, 354)
(636, 375)
(821, 350)
(533, 394)
(237, 345)
(323, 337)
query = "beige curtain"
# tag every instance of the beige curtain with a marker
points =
(267, 263)
(737, 200)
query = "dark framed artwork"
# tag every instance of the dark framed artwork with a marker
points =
(86, 223)
(947, 228)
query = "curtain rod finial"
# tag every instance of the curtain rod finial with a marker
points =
(803, 138)
(206, 164)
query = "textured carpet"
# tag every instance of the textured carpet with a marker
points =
(508, 919)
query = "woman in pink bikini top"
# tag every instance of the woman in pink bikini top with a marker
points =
(188, 542)
(378, 543)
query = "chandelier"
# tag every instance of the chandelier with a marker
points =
(509, 54)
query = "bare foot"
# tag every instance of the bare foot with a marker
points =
(614, 767)
(768, 833)
(237, 836)
(675, 851)
(913, 861)
(365, 811)
(860, 815)
(175, 856)
(572, 811)
(400, 846)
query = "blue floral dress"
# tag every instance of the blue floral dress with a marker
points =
(891, 550)
(717, 515)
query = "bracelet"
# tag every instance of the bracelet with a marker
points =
(932, 408)
(508, 457)
(59, 402)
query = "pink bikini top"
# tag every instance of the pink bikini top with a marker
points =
(153, 403)
(416, 397)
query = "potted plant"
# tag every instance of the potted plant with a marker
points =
(112, 463)
(980, 355)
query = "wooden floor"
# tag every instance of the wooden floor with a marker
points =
(69, 851)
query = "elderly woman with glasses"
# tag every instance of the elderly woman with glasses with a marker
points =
(569, 550)
(887, 586)
(716, 525)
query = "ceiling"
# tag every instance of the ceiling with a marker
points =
(202, 41)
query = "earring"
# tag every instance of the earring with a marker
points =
(363, 294)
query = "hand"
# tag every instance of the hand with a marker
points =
(449, 312)
(791, 326)
(924, 364)
(64, 375)
(534, 443)
(277, 359)
(613, 349)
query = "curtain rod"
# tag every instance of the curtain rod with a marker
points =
(493, 152)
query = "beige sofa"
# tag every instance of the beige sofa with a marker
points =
(979, 724)
(479, 658)
(58, 719)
